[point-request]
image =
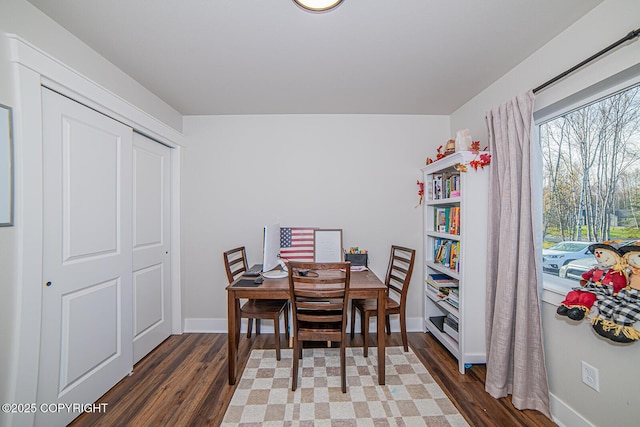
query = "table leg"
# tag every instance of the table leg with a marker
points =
(232, 342)
(381, 336)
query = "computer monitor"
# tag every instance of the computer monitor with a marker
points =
(271, 248)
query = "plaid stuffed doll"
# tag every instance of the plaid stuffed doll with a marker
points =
(618, 313)
(606, 279)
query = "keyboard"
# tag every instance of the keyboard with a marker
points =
(254, 271)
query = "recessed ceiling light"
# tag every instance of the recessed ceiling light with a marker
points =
(318, 5)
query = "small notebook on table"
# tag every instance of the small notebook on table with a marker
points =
(244, 283)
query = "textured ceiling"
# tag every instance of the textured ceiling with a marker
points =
(271, 57)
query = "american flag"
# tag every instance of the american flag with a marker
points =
(296, 243)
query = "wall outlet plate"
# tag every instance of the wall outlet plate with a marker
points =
(590, 376)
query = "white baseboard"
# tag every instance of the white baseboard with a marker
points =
(564, 415)
(219, 326)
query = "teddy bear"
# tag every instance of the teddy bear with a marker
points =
(606, 279)
(618, 313)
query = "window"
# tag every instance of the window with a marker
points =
(591, 182)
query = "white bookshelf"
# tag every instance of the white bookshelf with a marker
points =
(470, 235)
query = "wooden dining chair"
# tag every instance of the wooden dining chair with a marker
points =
(397, 280)
(319, 300)
(235, 262)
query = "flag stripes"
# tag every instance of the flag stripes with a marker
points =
(296, 243)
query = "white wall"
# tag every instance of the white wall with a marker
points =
(566, 344)
(355, 172)
(599, 28)
(22, 19)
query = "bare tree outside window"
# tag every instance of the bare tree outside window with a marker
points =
(591, 187)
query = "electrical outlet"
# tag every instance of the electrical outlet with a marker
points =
(590, 376)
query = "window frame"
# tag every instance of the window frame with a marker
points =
(555, 288)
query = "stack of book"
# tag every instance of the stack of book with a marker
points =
(450, 326)
(445, 185)
(453, 297)
(446, 252)
(447, 220)
(443, 286)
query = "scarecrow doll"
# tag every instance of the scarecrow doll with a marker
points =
(606, 279)
(618, 313)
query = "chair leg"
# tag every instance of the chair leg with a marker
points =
(238, 321)
(276, 332)
(343, 368)
(257, 326)
(403, 330)
(286, 322)
(365, 331)
(249, 327)
(388, 323)
(353, 317)
(294, 365)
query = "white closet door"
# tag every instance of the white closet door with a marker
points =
(151, 245)
(87, 339)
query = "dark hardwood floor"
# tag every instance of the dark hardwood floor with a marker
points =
(184, 382)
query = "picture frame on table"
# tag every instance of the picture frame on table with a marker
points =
(328, 245)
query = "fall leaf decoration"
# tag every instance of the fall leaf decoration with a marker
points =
(484, 160)
(480, 161)
(420, 185)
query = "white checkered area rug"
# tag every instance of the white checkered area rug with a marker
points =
(410, 397)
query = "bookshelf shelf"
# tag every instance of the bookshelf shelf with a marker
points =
(442, 269)
(444, 202)
(446, 340)
(454, 239)
(443, 235)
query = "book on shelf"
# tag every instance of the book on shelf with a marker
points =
(453, 297)
(439, 281)
(445, 185)
(436, 186)
(442, 219)
(452, 319)
(450, 326)
(446, 252)
(447, 220)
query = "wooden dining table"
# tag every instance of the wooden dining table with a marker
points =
(363, 285)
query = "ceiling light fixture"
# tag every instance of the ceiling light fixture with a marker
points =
(318, 5)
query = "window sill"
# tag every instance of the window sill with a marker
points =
(555, 289)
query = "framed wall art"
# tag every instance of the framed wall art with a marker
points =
(6, 167)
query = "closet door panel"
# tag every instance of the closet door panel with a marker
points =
(151, 245)
(87, 337)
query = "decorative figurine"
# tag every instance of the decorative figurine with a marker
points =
(618, 313)
(606, 279)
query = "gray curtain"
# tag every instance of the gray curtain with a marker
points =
(515, 356)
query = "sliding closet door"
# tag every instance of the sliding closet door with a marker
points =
(151, 245)
(87, 339)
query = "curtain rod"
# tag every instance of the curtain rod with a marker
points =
(632, 35)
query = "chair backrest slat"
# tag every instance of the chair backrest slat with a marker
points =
(399, 272)
(319, 295)
(235, 263)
